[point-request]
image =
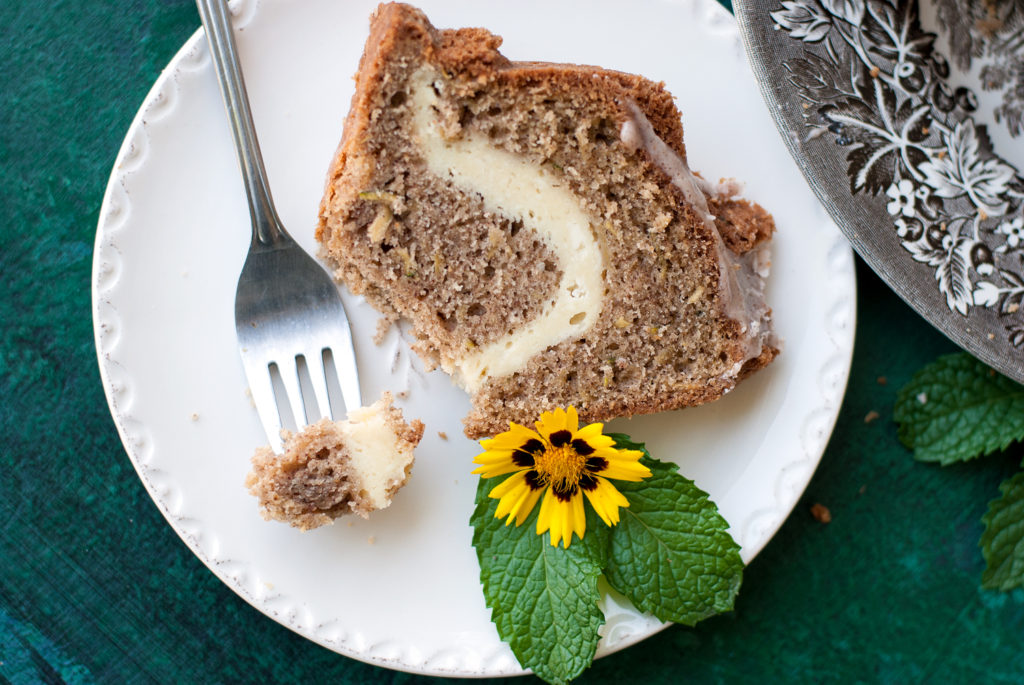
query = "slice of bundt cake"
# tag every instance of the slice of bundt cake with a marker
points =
(332, 468)
(539, 226)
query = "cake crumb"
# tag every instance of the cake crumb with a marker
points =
(372, 540)
(821, 513)
(384, 325)
(988, 27)
(442, 435)
(923, 398)
(882, 380)
(991, 336)
(1012, 309)
(402, 395)
(871, 416)
(195, 416)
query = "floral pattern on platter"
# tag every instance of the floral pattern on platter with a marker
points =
(870, 77)
(991, 31)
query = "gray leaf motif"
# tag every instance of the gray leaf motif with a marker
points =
(807, 21)
(953, 279)
(957, 20)
(816, 79)
(851, 11)
(950, 256)
(960, 169)
(922, 250)
(881, 135)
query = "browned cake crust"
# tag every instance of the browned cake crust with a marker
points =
(419, 247)
(314, 480)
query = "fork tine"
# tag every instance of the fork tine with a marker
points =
(289, 368)
(344, 357)
(261, 389)
(318, 378)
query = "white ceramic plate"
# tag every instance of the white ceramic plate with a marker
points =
(402, 589)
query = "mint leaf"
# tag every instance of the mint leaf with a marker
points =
(671, 553)
(957, 408)
(543, 599)
(596, 540)
(1002, 543)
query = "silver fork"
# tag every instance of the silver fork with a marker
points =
(288, 312)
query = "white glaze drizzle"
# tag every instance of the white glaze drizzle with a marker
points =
(741, 277)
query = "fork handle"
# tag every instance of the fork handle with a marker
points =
(267, 229)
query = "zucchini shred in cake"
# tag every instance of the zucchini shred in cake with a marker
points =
(539, 227)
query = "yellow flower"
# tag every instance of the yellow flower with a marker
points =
(562, 462)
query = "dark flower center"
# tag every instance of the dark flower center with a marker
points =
(564, 464)
(524, 456)
(560, 438)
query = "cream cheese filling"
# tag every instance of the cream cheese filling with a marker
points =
(523, 191)
(374, 452)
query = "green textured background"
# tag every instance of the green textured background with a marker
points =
(95, 587)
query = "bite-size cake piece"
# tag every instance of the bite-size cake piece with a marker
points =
(332, 468)
(540, 227)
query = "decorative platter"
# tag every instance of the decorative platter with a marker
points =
(402, 589)
(906, 118)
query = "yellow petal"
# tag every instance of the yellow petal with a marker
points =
(546, 425)
(562, 518)
(606, 500)
(601, 443)
(509, 484)
(567, 521)
(600, 509)
(526, 505)
(579, 516)
(497, 470)
(555, 517)
(516, 502)
(619, 468)
(557, 420)
(572, 419)
(590, 430)
(512, 439)
(505, 505)
(621, 455)
(544, 517)
(493, 457)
